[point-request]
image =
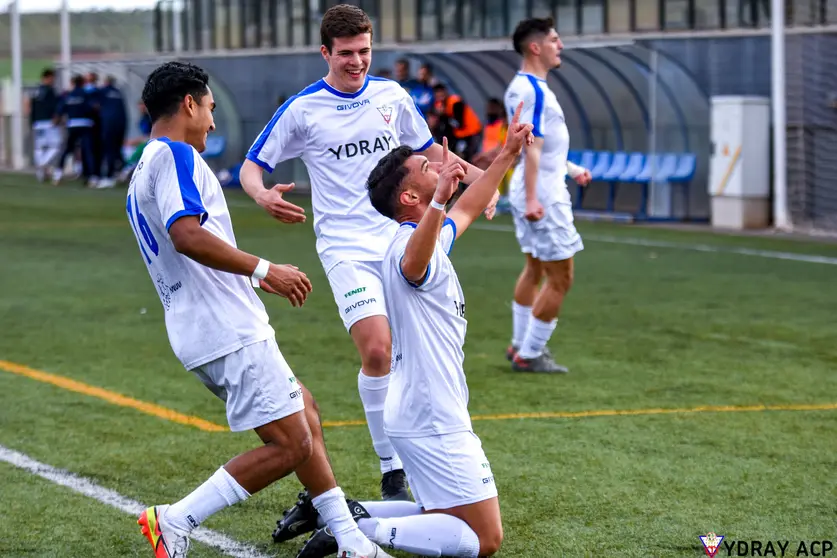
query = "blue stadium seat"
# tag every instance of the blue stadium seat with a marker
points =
(636, 162)
(616, 168)
(666, 167)
(601, 165)
(588, 158)
(686, 167)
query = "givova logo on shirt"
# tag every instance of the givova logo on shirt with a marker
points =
(356, 104)
(358, 304)
(362, 147)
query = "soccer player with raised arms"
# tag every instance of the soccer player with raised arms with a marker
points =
(457, 511)
(217, 325)
(341, 126)
(540, 201)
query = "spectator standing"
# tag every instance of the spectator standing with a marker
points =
(113, 118)
(462, 118)
(45, 131)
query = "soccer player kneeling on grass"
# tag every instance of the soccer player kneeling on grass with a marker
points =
(217, 325)
(426, 411)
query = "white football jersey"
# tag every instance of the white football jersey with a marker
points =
(542, 110)
(209, 313)
(427, 394)
(340, 138)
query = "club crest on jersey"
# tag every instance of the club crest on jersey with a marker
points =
(386, 112)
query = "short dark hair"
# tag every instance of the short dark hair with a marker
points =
(386, 180)
(440, 87)
(78, 80)
(404, 62)
(528, 28)
(428, 66)
(47, 73)
(169, 84)
(343, 20)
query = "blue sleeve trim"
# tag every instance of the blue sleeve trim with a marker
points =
(411, 283)
(537, 117)
(185, 213)
(409, 224)
(255, 158)
(426, 146)
(452, 223)
(184, 164)
(256, 149)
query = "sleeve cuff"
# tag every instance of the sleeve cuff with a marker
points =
(426, 146)
(201, 212)
(253, 157)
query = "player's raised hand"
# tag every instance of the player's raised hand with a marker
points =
(287, 281)
(278, 207)
(450, 174)
(519, 135)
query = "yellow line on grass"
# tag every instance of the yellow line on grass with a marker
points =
(174, 416)
(111, 397)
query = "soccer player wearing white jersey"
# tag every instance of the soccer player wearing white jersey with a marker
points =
(540, 201)
(217, 326)
(457, 511)
(340, 127)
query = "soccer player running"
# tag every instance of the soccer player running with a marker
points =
(540, 201)
(426, 414)
(340, 127)
(217, 326)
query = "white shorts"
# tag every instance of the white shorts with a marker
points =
(358, 290)
(256, 383)
(553, 238)
(48, 142)
(446, 471)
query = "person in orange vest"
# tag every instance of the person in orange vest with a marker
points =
(493, 138)
(462, 118)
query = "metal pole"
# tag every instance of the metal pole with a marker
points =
(66, 48)
(781, 216)
(17, 89)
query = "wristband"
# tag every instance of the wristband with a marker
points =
(436, 205)
(260, 272)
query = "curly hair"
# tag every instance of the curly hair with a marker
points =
(386, 181)
(169, 84)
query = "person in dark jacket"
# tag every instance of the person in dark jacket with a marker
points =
(113, 116)
(45, 131)
(76, 108)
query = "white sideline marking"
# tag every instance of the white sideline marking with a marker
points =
(809, 258)
(115, 500)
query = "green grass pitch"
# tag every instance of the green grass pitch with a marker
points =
(643, 328)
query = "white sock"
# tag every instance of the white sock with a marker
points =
(217, 493)
(335, 513)
(373, 394)
(537, 336)
(434, 534)
(520, 322)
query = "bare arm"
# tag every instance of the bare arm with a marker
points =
(422, 243)
(270, 199)
(532, 164)
(470, 204)
(479, 194)
(193, 241)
